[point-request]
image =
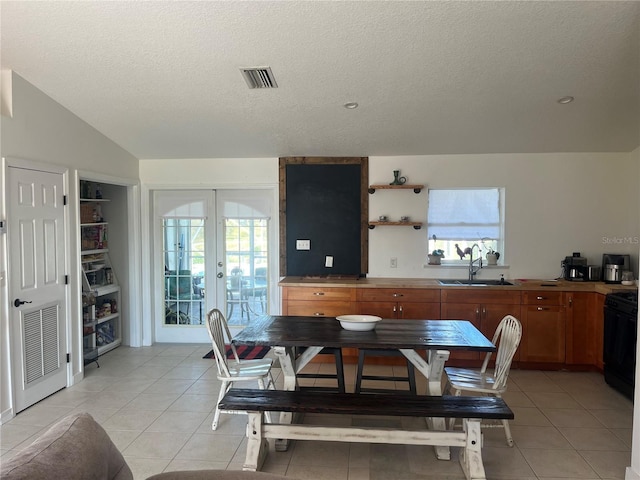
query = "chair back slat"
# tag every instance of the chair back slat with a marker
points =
(217, 327)
(508, 334)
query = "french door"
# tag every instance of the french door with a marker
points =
(212, 251)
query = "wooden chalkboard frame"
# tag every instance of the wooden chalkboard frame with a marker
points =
(364, 202)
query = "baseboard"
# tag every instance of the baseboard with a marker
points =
(6, 415)
(630, 474)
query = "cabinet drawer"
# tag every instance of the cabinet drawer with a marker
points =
(319, 309)
(318, 294)
(543, 298)
(398, 295)
(480, 295)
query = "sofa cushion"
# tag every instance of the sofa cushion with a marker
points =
(76, 447)
(216, 475)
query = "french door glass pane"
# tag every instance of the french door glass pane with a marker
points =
(246, 254)
(184, 272)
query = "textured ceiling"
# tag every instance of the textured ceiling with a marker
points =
(162, 79)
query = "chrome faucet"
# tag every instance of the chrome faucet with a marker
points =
(474, 270)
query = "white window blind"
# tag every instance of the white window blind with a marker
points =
(464, 214)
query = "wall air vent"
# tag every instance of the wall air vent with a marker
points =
(259, 77)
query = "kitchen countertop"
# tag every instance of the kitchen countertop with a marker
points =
(518, 284)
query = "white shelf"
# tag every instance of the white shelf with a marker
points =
(94, 252)
(101, 290)
(97, 224)
(95, 200)
(106, 318)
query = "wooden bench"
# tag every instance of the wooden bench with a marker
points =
(471, 409)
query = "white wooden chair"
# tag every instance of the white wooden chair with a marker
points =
(236, 370)
(492, 382)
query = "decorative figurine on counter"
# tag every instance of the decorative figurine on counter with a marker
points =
(397, 179)
(462, 253)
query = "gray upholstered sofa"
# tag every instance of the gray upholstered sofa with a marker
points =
(78, 448)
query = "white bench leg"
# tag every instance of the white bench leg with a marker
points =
(432, 370)
(257, 446)
(471, 455)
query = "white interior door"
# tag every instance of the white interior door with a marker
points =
(37, 284)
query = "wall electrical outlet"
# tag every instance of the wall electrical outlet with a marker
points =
(393, 263)
(328, 261)
(303, 244)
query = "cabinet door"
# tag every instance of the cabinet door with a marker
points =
(492, 315)
(380, 309)
(581, 328)
(543, 334)
(418, 311)
(305, 308)
(462, 311)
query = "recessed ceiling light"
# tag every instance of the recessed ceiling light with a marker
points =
(565, 100)
(351, 105)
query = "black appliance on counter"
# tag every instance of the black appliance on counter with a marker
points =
(620, 330)
(575, 268)
(613, 265)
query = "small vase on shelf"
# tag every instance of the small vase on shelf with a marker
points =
(397, 179)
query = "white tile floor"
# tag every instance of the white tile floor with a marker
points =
(156, 403)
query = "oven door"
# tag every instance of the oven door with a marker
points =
(619, 350)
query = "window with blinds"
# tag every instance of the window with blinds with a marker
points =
(463, 217)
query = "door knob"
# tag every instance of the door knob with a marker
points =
(220, 275)
(19, 302)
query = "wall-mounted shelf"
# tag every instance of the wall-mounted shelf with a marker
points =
(415, 225)
(415, 188)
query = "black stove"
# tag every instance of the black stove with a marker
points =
(620, 332)
(625, 301)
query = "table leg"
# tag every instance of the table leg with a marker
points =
(432, 369)
(290, 366)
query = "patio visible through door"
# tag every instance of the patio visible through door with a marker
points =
(213, 247)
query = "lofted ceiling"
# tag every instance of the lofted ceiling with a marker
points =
(162, 78)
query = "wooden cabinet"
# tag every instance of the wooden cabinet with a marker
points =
(484, 308)
(400, 303)
(560, 328)
(318, 301)
(543, 327)
(581, 323)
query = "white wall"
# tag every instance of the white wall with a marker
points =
(556, 204)
(36, 128)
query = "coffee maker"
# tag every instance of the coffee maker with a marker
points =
(613, 265)
(575, 268)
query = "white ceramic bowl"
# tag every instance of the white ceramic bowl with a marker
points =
(358, 322)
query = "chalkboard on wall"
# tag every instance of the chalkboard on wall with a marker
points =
(323, 203)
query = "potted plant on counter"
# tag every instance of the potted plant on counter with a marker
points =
(492, 257)
(435, 257)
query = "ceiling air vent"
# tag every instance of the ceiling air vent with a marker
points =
(259, 77)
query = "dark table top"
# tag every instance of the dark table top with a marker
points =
(290, 331)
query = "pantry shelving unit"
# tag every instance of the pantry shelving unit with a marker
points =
(102, 323)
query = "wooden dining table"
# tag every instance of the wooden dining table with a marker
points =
(435, 337)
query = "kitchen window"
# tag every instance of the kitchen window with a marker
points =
(465, 217)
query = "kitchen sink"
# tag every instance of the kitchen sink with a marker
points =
(473, 283)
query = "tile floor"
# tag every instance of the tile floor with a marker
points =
(156, 404)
